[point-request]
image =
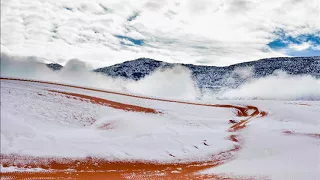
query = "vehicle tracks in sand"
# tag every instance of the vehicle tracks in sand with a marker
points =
(99, 168)
(293, 133)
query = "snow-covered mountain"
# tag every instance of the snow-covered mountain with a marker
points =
(214, 77)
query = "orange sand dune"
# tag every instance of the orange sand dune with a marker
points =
(97, 168)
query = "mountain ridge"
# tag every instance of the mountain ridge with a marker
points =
(216, 77)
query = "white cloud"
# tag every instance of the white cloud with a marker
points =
(300, 47)
(205, 32)
(284, 87)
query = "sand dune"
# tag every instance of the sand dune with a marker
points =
(99, 167)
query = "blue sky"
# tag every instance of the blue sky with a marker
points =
(128, 41)
(300, 45)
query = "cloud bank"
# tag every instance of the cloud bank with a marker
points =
(171, 83)
(278, 86)
(105, 32)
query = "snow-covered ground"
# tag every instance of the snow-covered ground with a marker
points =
(283, 145)
(41, 123)
(55, 121)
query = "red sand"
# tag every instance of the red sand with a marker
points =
(98, 168)
(113, 104)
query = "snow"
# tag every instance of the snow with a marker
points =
(144, 76)
(16, 169)
(44, 125)
(38, 123)
(268, 152)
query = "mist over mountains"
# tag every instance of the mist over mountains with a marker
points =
(213, 77)
(294, 78)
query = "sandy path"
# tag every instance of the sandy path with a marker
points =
(104, 102)
(97, 168)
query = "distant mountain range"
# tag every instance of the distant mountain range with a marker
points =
(214, 77)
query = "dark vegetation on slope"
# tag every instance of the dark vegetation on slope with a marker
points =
(55, 66)
(214, 77)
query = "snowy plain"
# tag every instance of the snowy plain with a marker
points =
(283, 145)
(37, 120)
(47, 123)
